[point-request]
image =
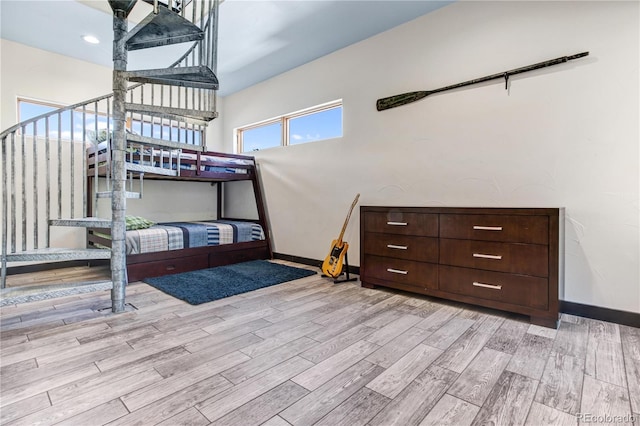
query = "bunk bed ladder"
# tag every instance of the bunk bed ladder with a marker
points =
(47, 161)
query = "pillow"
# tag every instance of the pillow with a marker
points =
(101, 136)
(137, 222)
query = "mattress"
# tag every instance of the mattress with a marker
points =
(180, 235)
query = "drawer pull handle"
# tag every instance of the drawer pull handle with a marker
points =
(393, 246)
(397, 271)
(397, 223)
(492, 286)
(488, 256)
(487, 228)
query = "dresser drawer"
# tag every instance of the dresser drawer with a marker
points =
(422, 249)
(408, 272)
(527, 259)
(507, 228)
(508, 288)
(402, 223)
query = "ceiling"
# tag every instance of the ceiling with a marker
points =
(258, 39)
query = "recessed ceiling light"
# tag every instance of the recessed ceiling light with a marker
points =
(91, 39)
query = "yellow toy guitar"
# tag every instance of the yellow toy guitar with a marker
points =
(332, 265)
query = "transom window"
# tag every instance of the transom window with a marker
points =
(313, 124)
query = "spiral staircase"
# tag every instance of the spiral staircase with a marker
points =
(44, 163)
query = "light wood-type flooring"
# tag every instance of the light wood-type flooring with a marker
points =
(309, 352)
(59, 276)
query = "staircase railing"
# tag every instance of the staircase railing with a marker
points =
(44, 161)
(204, 52)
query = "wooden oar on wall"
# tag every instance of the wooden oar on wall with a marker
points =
(406, 98)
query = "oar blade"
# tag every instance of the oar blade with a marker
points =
(399, 100)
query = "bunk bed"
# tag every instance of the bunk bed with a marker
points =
(169, 248)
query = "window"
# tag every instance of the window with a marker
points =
(266, 135)
(310, 125)
(28, 109)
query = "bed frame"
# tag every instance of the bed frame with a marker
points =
(140, 266)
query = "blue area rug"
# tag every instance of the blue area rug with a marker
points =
(205, 285)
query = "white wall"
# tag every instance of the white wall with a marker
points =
(34, 73)
(168, 201)
(563, 136)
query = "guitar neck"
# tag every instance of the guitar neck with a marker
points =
(346, 221)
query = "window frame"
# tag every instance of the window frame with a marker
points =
(284, 121)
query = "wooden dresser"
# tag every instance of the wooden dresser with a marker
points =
(510, 259)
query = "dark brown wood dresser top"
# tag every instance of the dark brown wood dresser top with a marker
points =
(510, 259)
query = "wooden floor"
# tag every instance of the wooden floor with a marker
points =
(60, 276)
(309, 352)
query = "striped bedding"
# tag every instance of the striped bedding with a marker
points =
(179, 235)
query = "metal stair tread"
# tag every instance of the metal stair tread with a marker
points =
(162, 29)
(87, 222)
(56, 253)
(23, 294)
(192, 116)
(199, 77)
(141, 168)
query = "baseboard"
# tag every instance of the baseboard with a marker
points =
(632, 319)
(310, 262)
(40, 267)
